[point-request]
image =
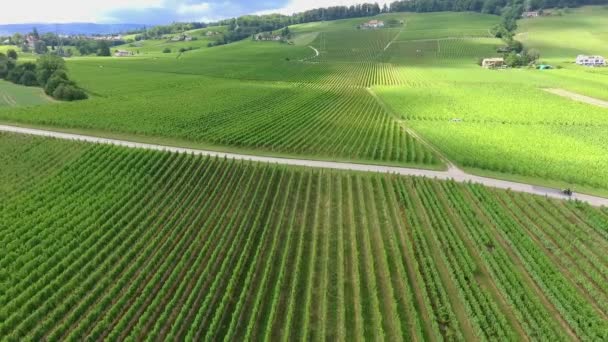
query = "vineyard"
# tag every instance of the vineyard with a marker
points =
(277, 99)
(308, 120)
(122, 244)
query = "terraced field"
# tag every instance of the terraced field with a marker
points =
(123, 244)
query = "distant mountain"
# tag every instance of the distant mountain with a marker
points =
(68, 28)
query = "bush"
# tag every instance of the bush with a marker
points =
(58, 78)
(15, 75)
(29, 79)
(6, 65)
(12, 54)
(69, 92)
(47, 65)
(167, 50)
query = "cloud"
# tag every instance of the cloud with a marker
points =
(185, 9)
(151, 12)
(62, 11)
(189, 10)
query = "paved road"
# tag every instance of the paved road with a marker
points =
(452, 173)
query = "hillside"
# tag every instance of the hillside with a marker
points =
(420, 72)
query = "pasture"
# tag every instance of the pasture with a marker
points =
(134, 244)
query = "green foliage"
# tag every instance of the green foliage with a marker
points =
(104, 242)
(67, 91)
(11, 53)
(47, 65)
(29, 79)
(103, 49)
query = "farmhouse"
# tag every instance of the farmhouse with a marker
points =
(592, 61)
(372, 24)
(31, 40)
(122, 53)
(532, 14)
(492, 63)
(267, 37)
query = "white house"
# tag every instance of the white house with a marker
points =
(592, 61)
(373, 24)
(492, 63)
(266, 36)
(122, 53)
(532, 14)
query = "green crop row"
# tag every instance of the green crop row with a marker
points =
(130, 244)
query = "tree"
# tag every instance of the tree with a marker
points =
(69, 92)
(40, 47)
(17, 39)
(12, 54)
(57, 79)
(6, 65)
(103, 49)
(28, 79)
(47, 65)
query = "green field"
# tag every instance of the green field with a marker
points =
(559, 37)
(12, 95)
(355, 100)
(105, 242)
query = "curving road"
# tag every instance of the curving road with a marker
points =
(452, 173)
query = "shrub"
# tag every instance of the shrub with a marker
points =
(12, 54)
(167, 50)
(15, 75)
(69, 92)
(58, 78)
(6, 65)
(47, 65)
(29, 79)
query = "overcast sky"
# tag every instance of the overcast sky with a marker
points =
(150, 11)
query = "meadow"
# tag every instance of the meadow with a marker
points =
(106, 242)
(568, 33)
(12, 95)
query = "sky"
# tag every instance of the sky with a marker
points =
(150, 11)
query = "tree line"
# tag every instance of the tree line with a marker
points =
(49, 72)
(510, 10)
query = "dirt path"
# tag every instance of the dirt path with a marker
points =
(315, 50)
(452, 173)
(578, 97)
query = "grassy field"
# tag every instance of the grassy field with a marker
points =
(12, 95)
(563, 37)
(282, 99)
(105, 242)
